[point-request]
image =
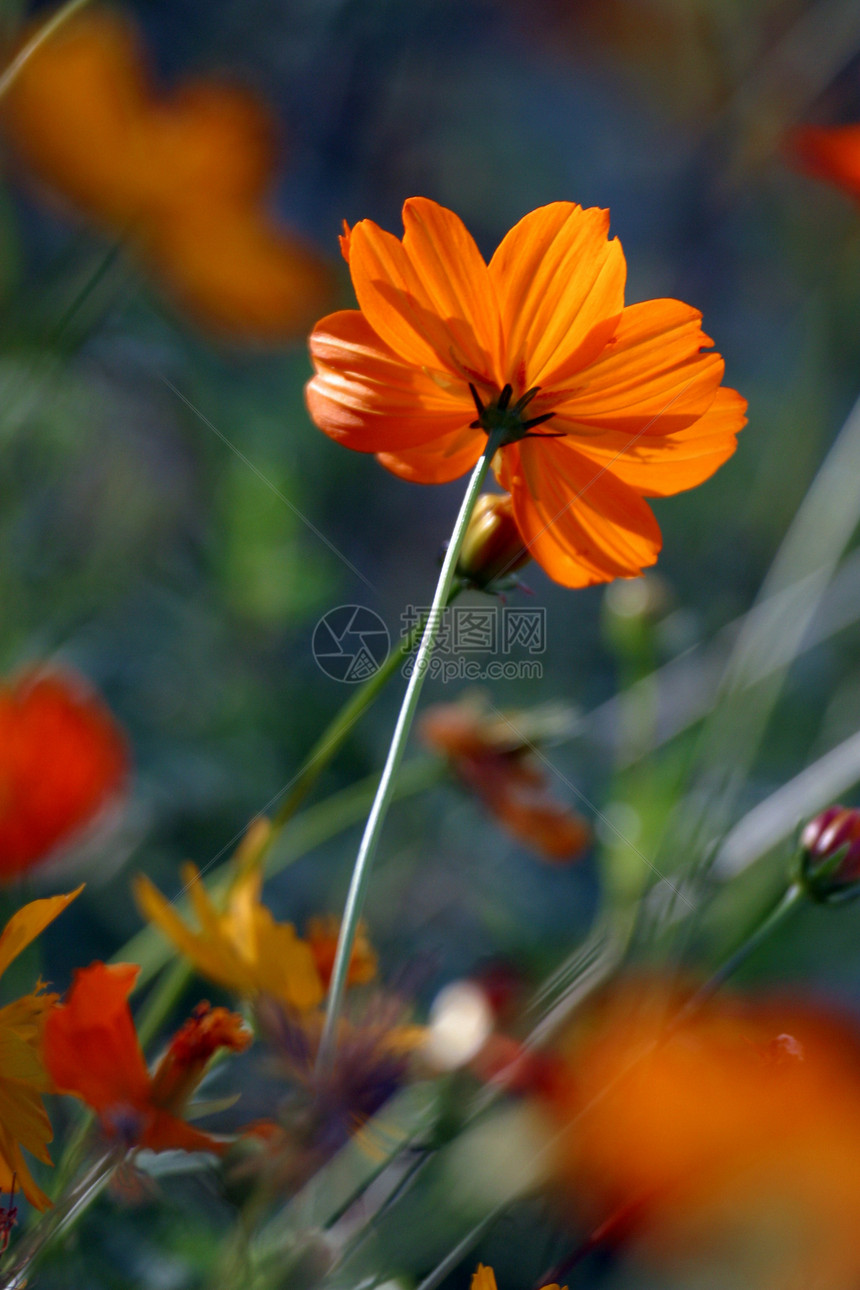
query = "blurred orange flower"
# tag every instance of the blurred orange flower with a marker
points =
(23, 1078)
(92, 1052)
(184, 175)
(63, 760)
(744, 1117)
(830, 153)
(600, 405)
(491, 757)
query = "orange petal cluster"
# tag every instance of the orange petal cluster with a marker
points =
(92, 1052)
(498, 770)
(63, 760)
(623, 403)
(184, 175)
(742, 1117)
(831, 153)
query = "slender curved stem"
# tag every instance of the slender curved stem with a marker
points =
(382, 801)
(788, 902)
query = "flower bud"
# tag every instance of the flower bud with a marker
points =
(493, 547)
(830, 854)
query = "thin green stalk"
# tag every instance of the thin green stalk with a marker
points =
(336, 732)
(385, 792)
(787, 904)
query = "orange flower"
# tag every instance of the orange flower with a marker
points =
(746, 1116)
(92, 1052)
(832, 154)
(600, 405)
(492, 759)
(322, 935)
(184, 175)
(23, 1078)
(63, 760)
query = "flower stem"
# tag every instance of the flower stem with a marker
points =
(787, 903)
(337, 730)
(382, 801)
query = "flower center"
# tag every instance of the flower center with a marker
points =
(502, 415)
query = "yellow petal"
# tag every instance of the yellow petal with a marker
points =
(25, 925)
(483, 1279)
(285, 966)
(14, 1167)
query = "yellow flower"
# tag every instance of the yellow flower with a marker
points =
(243, 948)
(23, 1079)
(485, 1279)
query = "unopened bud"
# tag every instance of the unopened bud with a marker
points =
(493, 547)
(830, 854)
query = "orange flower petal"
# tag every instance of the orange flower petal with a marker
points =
(430, 296)
(659, 465)
(237, 273)
(652, 378)
(446, 458)
(91, 1046)
(208, 143)
(367, 398)
(75, 113)
(166, 1132)
(560, 286)
(583, 525)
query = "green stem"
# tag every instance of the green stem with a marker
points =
(385, 792)
(336, 732)
(787, 903)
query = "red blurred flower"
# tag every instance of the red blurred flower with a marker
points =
(492, 759)
(831, 153)
(92, 1052)
(63, 760)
